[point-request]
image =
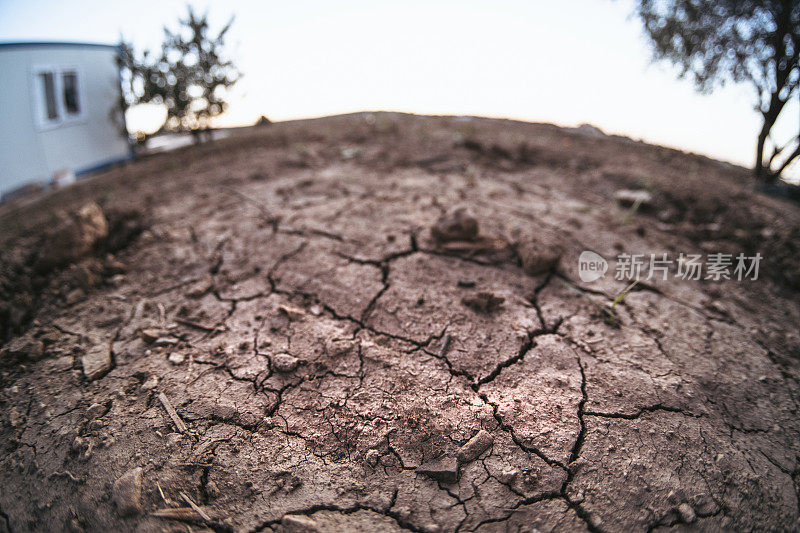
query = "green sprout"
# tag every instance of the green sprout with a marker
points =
(632, 211)
(609, 312)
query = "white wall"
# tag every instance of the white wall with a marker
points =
(31, 151)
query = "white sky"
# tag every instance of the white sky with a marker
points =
(538, 60)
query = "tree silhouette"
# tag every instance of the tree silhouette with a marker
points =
(190, 76)
(719, 41)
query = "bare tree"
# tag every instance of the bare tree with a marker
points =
(719, 41)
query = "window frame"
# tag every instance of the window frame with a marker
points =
(43, 123)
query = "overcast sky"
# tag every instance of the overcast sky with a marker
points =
(538, 60)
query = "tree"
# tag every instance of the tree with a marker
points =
(719, 41)
(190, 77)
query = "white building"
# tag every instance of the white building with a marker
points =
(59, 111)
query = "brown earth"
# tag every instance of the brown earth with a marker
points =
(330, 363)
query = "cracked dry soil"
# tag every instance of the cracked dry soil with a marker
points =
(282, 292)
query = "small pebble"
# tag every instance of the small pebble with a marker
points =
(96, 410)
(372, 457)
(283, 362)
(687, 513)
(127, 492)
(475, 446)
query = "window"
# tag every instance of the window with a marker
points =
(59, 98)
(49, 95)
(71, 102)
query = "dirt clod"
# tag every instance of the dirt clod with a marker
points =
(444, 469)
(475, 446)
(508, 475)
(22, 349)
(536, 260)
(458, 224)
(97, 361)
(539, 252)
(483, 302)
(200, 288)
(372, 457)
(74, 236)
(284, 362)
(127, 492)
(686, 513)
(96, 410)
(339, 347)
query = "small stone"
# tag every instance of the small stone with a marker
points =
(96, 410)
(24, 349)
(292, 313)
(74, 296)
(372, 457)
(173, 439)
(595, 520)
(475, 446)
(687, 513)
(458, 224)
(444, 469)
(529, 478)
(539, 256)
(176, 358)
(719, 307)
(283, 362)
(165, 341)
(704, 505)
(587, 130)
(200, 288)
(150, 383)
(508, 476)
(628, 197)
(349, 153)
(483, 302)
(292, 523)
(127, 492)
(97, 361)
(339, 347)
(212, 489)
(78, 445)
(15, 417)
(150, 335)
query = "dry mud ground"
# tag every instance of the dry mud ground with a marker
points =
(281, 291)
